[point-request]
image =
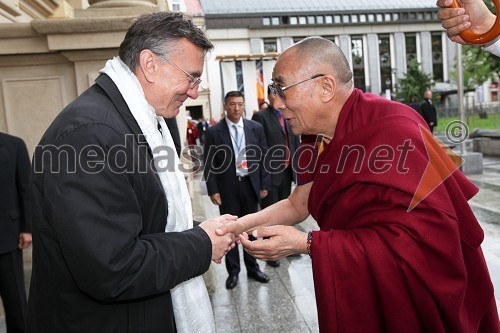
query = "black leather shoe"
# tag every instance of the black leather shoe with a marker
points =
(273, 263)
(232, 281)
(259, 276)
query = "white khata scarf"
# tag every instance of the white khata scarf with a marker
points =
(192, 309)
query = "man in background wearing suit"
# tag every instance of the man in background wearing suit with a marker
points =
(429, 111)
(15, 228)
(235, 174)
(282, 145)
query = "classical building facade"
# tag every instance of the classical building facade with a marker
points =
(379, 39)
(52, 50)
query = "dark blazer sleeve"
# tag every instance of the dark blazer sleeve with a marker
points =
(97, 217)
(23, 170)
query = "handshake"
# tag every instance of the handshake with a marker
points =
(226, 231)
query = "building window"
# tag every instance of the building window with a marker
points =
(380, 18)
(270, 45)
(395, 17)
(362, 18)
(358, 63)
(302, 20)
(354, 18)
(387, 17)
(297, 39)
(371, 18)
(346, 18)
(328, 19)
(437, 56)
(285, 19)
(411, 48)
(319, 19)
(337, 19)
(266, 21)
(275, 20)
(385, 62)
(428, 16)
(294, 20)
(176, 6)
(310, 20)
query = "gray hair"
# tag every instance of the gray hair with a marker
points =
(321, 52)
(159, 32)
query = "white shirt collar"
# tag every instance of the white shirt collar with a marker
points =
(238, 124)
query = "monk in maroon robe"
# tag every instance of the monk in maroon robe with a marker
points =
(382, 260)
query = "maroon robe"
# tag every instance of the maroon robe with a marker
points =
(377, 266)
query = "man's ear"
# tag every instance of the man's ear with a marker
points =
(329, 88)
(148, 65)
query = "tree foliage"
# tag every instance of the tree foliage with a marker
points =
(414, 83)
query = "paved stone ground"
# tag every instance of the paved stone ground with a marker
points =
(287, 302)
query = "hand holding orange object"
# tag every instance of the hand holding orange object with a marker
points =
(481, 38)
(469, 21)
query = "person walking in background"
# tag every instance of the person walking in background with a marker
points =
(15, 228)
(416, 105)
(474, 15)
(282, 145)
(114, 246)
(202, 127)
(191, 132)
(236, 177)
(380, 264)
(429, 111)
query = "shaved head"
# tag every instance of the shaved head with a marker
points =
(322, 55)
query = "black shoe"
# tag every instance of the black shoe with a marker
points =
(259, 276)
(232, 281)
(273, 263)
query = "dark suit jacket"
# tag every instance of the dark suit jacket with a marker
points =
(101, 259)
(429, 113)
(276, 140)
(14, 182)
(220, 169)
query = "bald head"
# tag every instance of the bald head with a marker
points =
(321, 55)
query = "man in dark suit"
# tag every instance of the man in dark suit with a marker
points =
(429, 111)
(202, 127)
(15, 228)
(235, 174)
(282, 145)
(102, 261)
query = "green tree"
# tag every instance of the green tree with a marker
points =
(478, 66)
(414, 83)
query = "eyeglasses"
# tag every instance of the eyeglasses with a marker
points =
(194, 80)
(277, 89)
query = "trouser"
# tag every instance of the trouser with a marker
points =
(247, 203)
(12, 290)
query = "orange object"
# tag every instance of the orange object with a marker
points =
(473, 38)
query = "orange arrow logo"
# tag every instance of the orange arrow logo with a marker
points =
(442, 163)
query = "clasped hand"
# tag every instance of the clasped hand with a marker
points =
(283, 240)
(222, 243)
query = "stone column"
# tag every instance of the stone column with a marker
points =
(345, 46)
(426, 44)
(400, 54)
(373, 63)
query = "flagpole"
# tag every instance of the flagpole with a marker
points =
(460, 93)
